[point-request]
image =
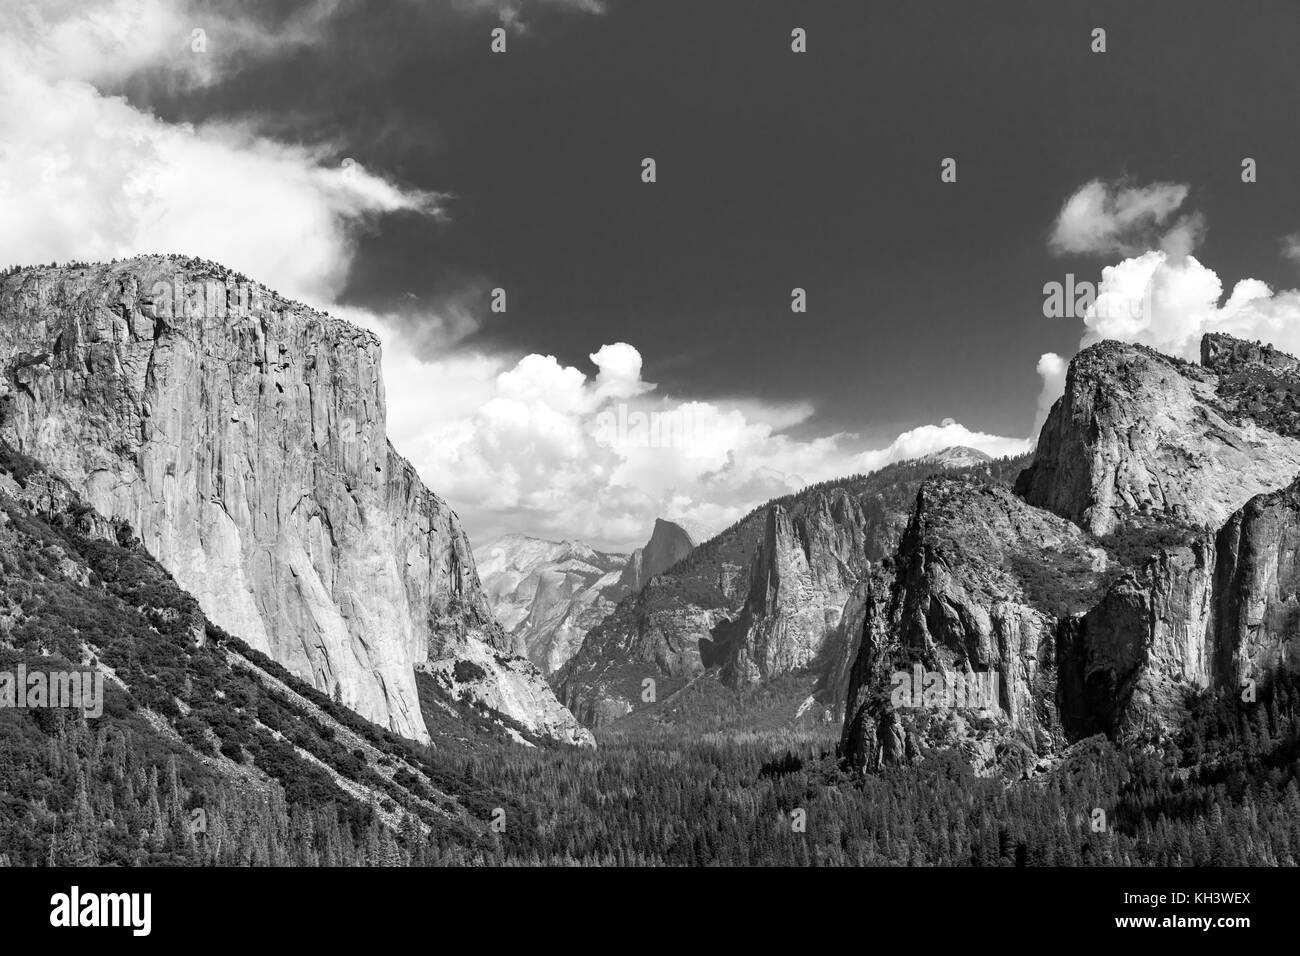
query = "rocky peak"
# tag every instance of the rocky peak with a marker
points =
(803, 571)
(958, 456)
(777, 592)
(1225, 354)
(1139, 434)
(973, 595)
(668, 544)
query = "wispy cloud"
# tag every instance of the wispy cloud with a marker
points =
(1102, 218)
(1291, 247)
(511, 12)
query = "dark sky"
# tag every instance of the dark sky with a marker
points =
(779, 170)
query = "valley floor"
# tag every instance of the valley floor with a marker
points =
(1224, 794)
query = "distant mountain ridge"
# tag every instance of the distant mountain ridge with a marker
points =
(549, 594)
(958, 456)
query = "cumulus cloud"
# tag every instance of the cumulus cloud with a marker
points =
(87, 175)
(558, 451)
(1108, 217)
(1163, 296)
(1168, 303)
(927, 439)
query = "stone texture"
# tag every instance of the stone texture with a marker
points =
(801, 577)
(669, 543)
(758, 600)
(974, 589)
(1137, 432)
(1257, 590)
(549, 594)
(1128, 664)
(243, 438)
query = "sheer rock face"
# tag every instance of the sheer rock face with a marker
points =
(1140, 433)
(1223, 610)
(1257, 585)
(801, 578)
(548, 594)
(243, 437)
(669, 543)
(845, 643)
(962, 605)
(1128, 664)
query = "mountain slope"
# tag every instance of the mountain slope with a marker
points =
(975, 590)
(191, 720)
(958, 456)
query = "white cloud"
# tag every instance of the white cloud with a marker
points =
(1291, 247)
(1164, 297)
(190, 43)
(927, 439)
(1168, 303)
(1051, 369)
(88, 176)
(1103, 218)
(554, 451)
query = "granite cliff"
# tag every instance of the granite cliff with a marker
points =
(1139, 433)
(242, 437)
(670, 541)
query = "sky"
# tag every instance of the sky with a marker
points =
(381, 161)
